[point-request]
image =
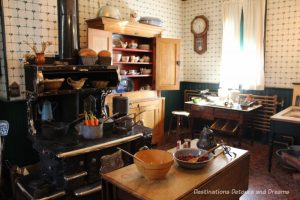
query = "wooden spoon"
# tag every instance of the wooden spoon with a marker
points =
(131, 155)
(195, 159)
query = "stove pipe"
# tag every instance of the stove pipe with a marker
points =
(68, 30)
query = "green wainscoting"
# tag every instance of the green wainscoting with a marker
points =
(174, 99)
(18, 148)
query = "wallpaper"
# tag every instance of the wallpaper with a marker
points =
(282, 57)
(3, 90)
(31, 21)
(204, 67)
(282, 43)
(34, 21)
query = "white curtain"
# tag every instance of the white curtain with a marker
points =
(230, 62)
(243, 65)
(253, 50)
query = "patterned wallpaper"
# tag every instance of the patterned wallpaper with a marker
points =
(282, 63)
(170, 11)
(282, 43)
(204, 67)
(27, 21)
(3, 90)
(36, 20)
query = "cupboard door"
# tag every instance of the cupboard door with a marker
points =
(134, 109)
(99, 40)
(152, 117)
(167, 54)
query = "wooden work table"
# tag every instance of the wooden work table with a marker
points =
(222, 175)
(209, 111)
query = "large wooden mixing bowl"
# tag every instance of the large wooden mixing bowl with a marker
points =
(156, 163)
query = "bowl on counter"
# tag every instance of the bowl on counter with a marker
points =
(53, 84)
(156, 165)
(181, 157)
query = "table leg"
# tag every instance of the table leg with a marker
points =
(270, 156)
(107, 190)
(191, 125)
(241, 131)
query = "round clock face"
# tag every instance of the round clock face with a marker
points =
(199, 25)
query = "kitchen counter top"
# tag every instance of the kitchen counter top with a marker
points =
(290, 114)
(224, 174)
(215, 105)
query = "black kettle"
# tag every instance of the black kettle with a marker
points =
(206, 140)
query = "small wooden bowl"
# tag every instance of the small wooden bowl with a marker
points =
(53, 84)
(157, 163)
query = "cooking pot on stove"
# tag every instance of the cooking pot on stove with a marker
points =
(54, 130)
(124, 124)
(120, 105)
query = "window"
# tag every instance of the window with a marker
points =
(242, 63)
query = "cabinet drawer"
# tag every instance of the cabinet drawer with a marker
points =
(202, 112)
(226, 114)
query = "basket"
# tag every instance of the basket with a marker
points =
(53, 84)
(100, 84)
(88, 60)
(104, 61)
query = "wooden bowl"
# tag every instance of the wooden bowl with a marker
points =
(53, 84)
(100, 84)
(156, 164)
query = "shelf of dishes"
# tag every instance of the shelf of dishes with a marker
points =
(130, 59)
(144, 72)
(133, 63)
(132, 50)
(136, 75)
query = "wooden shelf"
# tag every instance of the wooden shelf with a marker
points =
(133, 63)
(136, 75)
(131, 50)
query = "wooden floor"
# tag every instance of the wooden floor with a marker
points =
(261, 181)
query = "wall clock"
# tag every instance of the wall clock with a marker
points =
(199, 27)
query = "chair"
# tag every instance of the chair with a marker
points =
(179, 115)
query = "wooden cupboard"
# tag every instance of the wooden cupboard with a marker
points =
(151, 107)
(164, 53)
(164, 62)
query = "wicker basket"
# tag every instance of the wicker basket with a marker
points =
(88, 60)
(104, 61)
(53, 84)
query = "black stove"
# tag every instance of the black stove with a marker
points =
(71, 165)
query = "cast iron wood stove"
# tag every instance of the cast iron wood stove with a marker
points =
(70, 165)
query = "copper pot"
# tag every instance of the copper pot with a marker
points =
(40, 59)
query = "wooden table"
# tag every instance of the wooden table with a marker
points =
(213, 112)
(226, 177)
(282, 124)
